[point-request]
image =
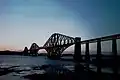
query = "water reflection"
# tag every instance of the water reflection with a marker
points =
(24, 65)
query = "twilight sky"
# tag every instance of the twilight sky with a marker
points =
(23, 22)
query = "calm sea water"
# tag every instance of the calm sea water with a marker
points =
(29, 60)
(26, 62)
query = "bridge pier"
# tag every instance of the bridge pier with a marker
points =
(87, 54)
(115, 58)
(25, 51)
(53, 54)
(98, 57)
(77, 50)
(33, 53)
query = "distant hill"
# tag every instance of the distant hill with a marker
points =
(7, 52)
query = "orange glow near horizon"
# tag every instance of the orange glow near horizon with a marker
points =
(8, 47)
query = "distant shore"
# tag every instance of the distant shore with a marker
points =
(26, 54)
(44, 54)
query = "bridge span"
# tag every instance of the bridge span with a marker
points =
(57, 43)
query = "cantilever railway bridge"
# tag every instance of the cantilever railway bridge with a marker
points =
(57, 43)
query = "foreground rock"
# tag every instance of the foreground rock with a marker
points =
(53, 72)
(6, 69)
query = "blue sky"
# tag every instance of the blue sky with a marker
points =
(23, 22)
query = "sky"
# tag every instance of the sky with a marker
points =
(23, 22)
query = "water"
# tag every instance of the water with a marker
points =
(29, 60)
(25, 63)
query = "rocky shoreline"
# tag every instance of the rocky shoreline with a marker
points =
(53, 72)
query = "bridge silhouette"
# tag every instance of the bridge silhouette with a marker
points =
(57, 43)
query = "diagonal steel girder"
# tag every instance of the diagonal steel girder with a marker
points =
(34, 48)
(57, 43)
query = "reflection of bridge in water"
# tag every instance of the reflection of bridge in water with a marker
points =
(57, 43)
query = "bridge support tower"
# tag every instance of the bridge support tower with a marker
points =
(33, 53)
(25, 52)
(77, 50)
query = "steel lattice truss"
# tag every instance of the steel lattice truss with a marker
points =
(34, 48)
(57, 43)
